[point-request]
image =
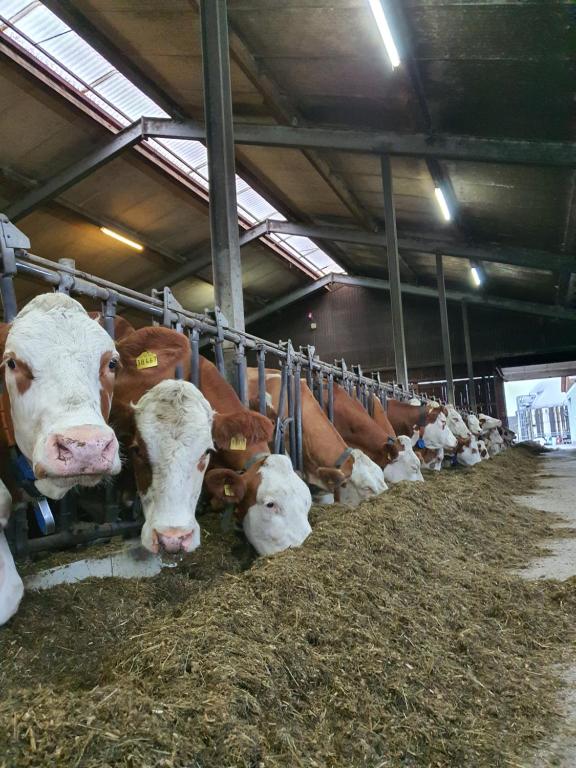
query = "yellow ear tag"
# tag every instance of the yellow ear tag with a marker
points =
(238, 443)
(146, 360)
(227, 490)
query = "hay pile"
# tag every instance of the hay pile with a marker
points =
(395, 637)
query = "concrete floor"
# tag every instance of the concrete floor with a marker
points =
(556, 494)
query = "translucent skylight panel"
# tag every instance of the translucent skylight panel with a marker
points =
(127, 98)
(39, 25)
(256, 205)
(78, 57)
(192, 152)
(9, 8)
(302, 244)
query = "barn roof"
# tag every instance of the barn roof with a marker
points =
(499, 69)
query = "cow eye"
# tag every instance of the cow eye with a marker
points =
(270, 505)
(11, 364)
(113, 364)
(135, 450)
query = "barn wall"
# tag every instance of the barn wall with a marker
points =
(355, 323)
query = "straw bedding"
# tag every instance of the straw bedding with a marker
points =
(397, 636)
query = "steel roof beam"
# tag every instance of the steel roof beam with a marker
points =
(76, 172)
(440, 145)
(493, 302)
(521, 257)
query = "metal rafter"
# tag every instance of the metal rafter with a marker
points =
(522, 257)
(493, 302)
(371, 142)
(79, 170)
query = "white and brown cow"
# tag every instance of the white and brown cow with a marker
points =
(329, 463)
(11, 586)
(271, 502)
(426, 425)
(58, 374)
(407, 464)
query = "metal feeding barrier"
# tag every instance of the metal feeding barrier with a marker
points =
(212, 328)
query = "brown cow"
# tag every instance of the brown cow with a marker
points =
(270, 499)
(329, 463)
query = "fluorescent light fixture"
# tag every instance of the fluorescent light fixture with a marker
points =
(442, 203)
(477, 279)
(122, 239)
(384, 29)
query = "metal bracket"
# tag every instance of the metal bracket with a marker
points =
(170, 304)
(11, 238)
(109, 312)
(66, 283)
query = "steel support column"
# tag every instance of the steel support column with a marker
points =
(447, 352)
(394, 275)
(227, 269)
(468, 353)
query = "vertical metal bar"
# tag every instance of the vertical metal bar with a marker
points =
(219, 357)
(9, 303)
(320, 389)
(279, 433)
(291, 416)
(226, 264)
(240, 369)
(195, 357)
(298, 418)
(309, 377)
(262, 381)
(447, 352)
(469, 362)
(331, 397)
(394, 275)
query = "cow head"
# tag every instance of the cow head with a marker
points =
(366, 480)
(406, 466)
(474, 424)
(59, 368)
(467, 452)
(456, 423)
(488, 422)
(169, 450)
(483, 450)
(436, 433)
(271, 501)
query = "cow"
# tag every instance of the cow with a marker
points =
(59, 373)
(11, 586)
(426, 425)
(473, 424)
(374, 435)
(59, 369)
(271, 502)
(329, 464)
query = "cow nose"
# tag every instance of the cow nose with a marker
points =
(174, 540)
(83, 450)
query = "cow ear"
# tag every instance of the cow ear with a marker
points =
(331, 477)
(170, 346)
(225, 486)
(390, 452)
(4, 329)
(252, 427)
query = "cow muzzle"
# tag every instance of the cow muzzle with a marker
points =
(175, 540)
(78, 451)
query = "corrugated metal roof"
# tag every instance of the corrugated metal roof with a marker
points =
(64, 51)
